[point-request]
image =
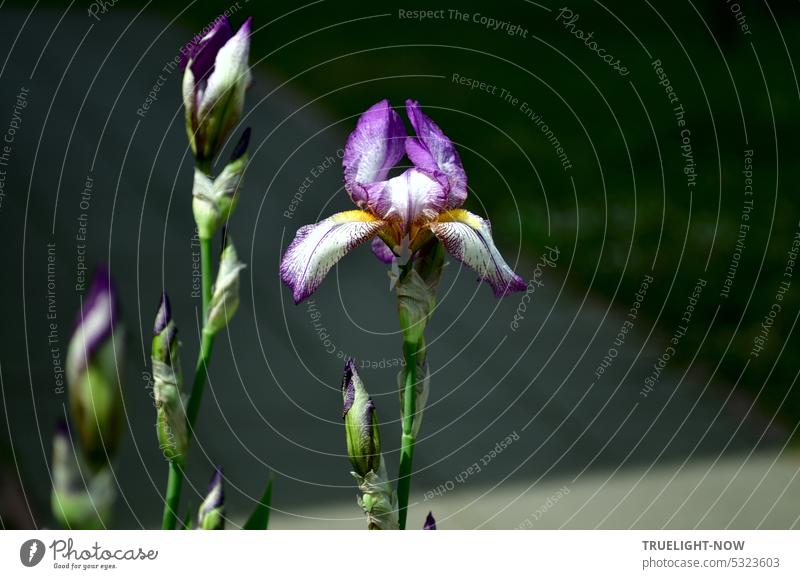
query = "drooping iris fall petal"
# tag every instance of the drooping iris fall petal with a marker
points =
(468, 238)
(316, 249)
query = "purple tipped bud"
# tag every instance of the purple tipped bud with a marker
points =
(164, 314)
(95, 360)
(214, 83)
(168, 385)
(430, 523)
(211, 515)
(361, 423)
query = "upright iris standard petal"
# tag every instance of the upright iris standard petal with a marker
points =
(316, 249)
(468, 238)
(373, 148)
(95, 360)
(432, 151)
(430, 523)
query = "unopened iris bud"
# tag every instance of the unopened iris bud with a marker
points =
(360, 423)
(167, 385)
(213, 200)
(225, 298)
(211, 516)
(95, 365)
(214, 82)
(416, 290)
(430, 523)
(79, 499)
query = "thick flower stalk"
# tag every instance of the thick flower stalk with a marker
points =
(94, 368)
(215, 78)
(80, 498)
(211, 515)
(376, 498)
(411, 220)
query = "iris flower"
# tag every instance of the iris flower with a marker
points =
(399, 213)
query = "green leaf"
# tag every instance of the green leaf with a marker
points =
(259, 520)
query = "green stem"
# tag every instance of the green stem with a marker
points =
(174, 483)
(199, 384)
(175, 480)
(407, 440)
(206, 273)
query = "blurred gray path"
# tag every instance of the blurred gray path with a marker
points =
(274, 406)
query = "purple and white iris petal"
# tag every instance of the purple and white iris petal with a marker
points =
(203, 53)
(230, 69)
(409, 198)
(432, 151)
(382, 251)
(372, 149)
(468, 238)
(317, 248)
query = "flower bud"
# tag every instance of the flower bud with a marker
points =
(167, 385)
(95, 365)
(79, 499)
(430, 523)
(213, 201)
(214, 82)
(360, 423)
(211, 515)
(225, 298)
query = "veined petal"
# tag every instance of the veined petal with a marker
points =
(408, 199)
(372, 149)
(316, 249)
(468, 238)
(432, 151)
